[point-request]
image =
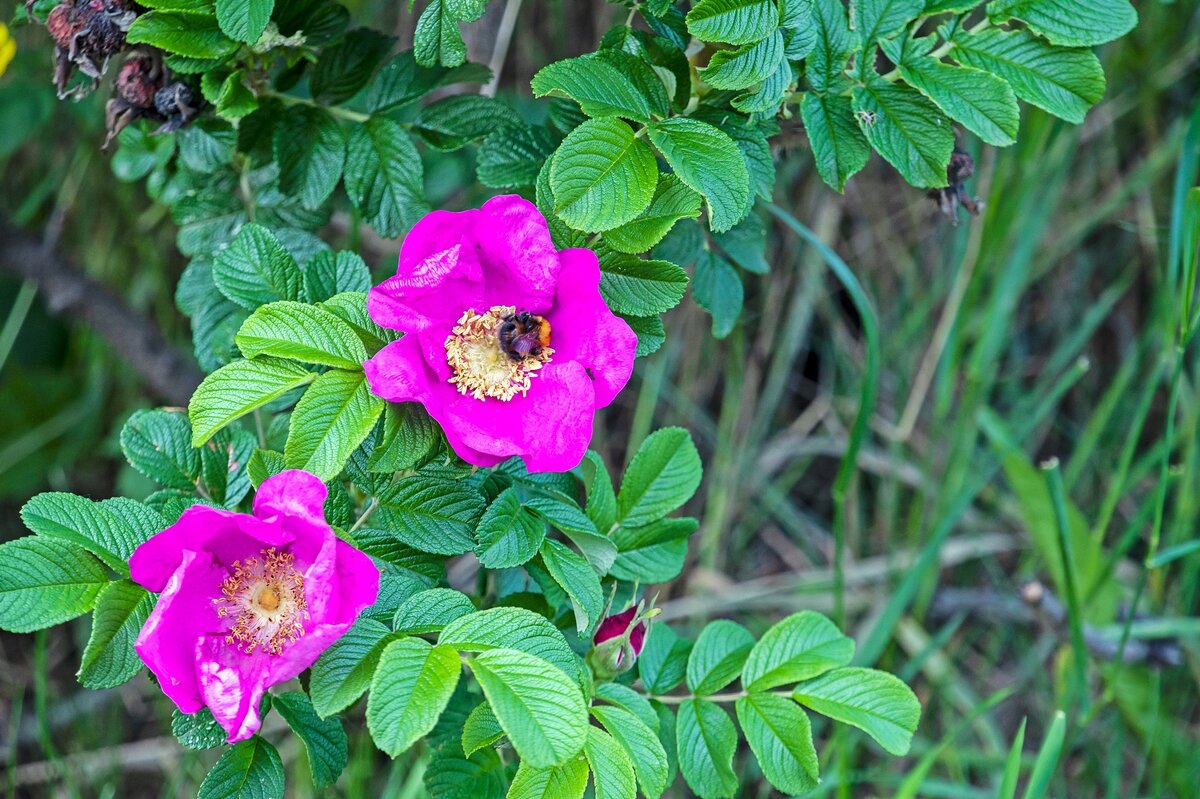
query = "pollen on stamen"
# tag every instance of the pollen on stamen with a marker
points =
(264, 595)
(481, 368)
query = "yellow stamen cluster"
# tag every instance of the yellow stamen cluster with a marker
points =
(265, 598)
(481, 368)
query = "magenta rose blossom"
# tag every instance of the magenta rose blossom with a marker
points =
(248, 602)
(508, 343)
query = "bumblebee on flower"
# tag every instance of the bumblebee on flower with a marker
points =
(508, 344)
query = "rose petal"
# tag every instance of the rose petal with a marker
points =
(520, 265)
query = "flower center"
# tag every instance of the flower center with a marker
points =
(498, 353)
(264, 596)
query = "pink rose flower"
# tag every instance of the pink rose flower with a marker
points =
(248, 602)
(509, 344)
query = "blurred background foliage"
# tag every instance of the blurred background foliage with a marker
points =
(1043, 329)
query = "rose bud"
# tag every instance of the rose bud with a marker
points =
(619, 640)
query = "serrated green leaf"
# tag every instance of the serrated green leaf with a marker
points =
(982, 102)
(514, 628)
(455, 121)
(239, 388)
(602, 176)
(431, 515)
(80, 521)
(800, 29)
(333, 417)
(410, 435)
(310, 148)
(248, 770)
(539, 707)
(745, 66)
(1070, 23)
(324, 739)
(566, 781)
(641, 745)
(878, 703)
(1064, 82)
(384, 176)
(706, 159)
(451, 776)
(197, 730)
(299, 332)
(402, 81)
(44, 582)
(907, 130)
(673, 200)
(344, 670)
(436, 39)
(780, 735)
(244, 20)
(641, 288)
(662, 664)
(411, 688)
(482, 729)
(879, 19)
(351, 308)
(509, 533)
(663, 475)
(513, 156)
(717, 288)
(194, 34)
(832, 48)
(650, 334)
(733, 21)
(576, 576)
(765, 98)
(346, 67)
(431, 610)
(718, 656)
(612, 769)
(599, 87)
(235, 100)
(838, 144)
(797, 648)
(158, 443)
(615, 693)
(707, 741)
(601, 505)
(328, 274)
(745, 243)
(652, 553)
(255, 269)
(109, 660)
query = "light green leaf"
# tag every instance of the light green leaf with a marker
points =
(300, 332)
(797, 648)
(745, 66)
(1071, 23)
(109, 660)
(437, 39)
(345, 669)
(244, 20)
(621, 695)
(838, 144)
(80, 521)
(333, 417)
(310, 148)
(431, 515)
(1065, 82)
(384, 176)
(718, 289)
(255, 269)
(599, 87)
(248, 770)
(879, 19)
(832, 48)
(540, 709)
(780, 736)
(663, 475)
(982, 102)
(602, 176)
(878, 703)
(907, 130)
(707, 741)
(482, 729)
(239, 388)
(409, 437)
(328, 274)
(663, 662)
(673, 200)
(612, 769)
(652, 553)
(705, 158)
(194, 34)
(718, 656)
(158, 443)
(409, 691)
(567, 781)
(430, 610)
(509, 534)
(324, 739)
(641, 288)
(601, 505)
(576, 576)
(641, 744)
(733, 21)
